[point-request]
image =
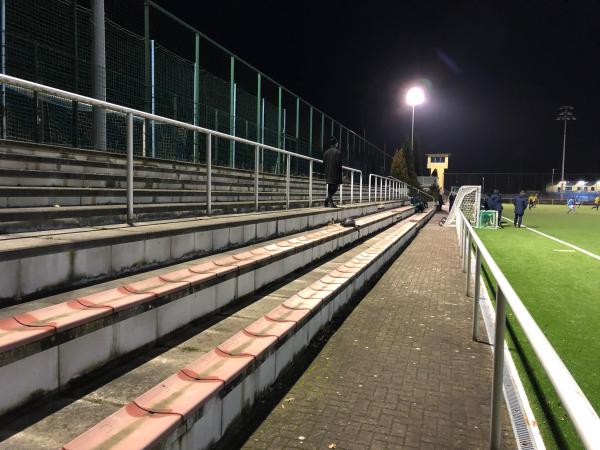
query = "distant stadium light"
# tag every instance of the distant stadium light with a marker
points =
(415, 96)
(581, 182)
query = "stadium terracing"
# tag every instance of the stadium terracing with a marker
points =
(170, 277)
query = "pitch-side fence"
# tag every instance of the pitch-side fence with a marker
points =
(581, 412)
(35, 89)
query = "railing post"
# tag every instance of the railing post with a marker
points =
(287, 181)
(498, 374)
(476, 293)
(370, 177)
(130, 169)
(468, 258)
(375, 181)
(351, 186)
(209, 174)
(341, 196)
(256, 165)
(465, 249)
(310, 181)
(459, 226)
(360, 188)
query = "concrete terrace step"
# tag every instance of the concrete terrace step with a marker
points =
(42, 176)
(48, 196)
(104, 395)
(63, 341)
(62, 178)
(35, 264)
(226, 380)
(56, 159)
(16, 220)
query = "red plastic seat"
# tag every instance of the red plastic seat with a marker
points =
(131, 427)
(14, 334)
(63, 316)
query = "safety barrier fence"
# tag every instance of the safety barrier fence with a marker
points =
(35, 89)
(582, 414)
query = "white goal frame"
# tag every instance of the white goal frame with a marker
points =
(468, 200)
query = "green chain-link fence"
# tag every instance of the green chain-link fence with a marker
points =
(49, 41)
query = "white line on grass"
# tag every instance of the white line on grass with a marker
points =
(579, 249)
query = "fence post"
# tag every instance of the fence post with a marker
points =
(496, 428)
(341, 197)
(287, 181)
(310, 182)
(130, 169)
(468, 258)
(465, 233)
(476, 293)
(256, 163)
(351, 186)
(209, 174)
(459, 227)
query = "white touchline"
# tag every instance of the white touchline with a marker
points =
(559, 241)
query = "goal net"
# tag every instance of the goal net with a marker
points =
(488, 219)
(468, 200)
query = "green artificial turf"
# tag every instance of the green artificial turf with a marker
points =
(561, 290)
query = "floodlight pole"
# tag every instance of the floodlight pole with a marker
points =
(412, 133)
(562, 170)
(566, 113)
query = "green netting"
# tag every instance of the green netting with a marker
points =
(49, 41)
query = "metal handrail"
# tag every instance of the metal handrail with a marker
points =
(131, 112)
(582, 414)
(421, 191)
(388, 188)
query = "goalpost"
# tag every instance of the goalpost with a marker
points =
(468, 200)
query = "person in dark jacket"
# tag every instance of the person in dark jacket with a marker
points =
(332, 162)
(495, 202)
(520, 203)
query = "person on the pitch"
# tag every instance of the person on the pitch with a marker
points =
(520, 203)
(495, 202)
(571, 205)
(332, 162)
(596, 202)
(531, 201)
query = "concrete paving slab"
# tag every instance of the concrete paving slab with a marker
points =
(400, 372)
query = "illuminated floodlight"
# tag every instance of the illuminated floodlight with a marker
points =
(581, 182)
(415, 96)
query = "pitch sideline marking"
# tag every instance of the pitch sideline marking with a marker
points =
(579, 249)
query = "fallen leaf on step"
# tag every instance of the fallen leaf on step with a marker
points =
(332, 445)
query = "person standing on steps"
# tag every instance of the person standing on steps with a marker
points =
(332, 162)
(520, 203)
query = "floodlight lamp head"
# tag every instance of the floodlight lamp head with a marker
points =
(415, 96)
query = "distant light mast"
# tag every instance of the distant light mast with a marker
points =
(565, 114)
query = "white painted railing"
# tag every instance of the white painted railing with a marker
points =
(582, 414)
(386, 188)
(130, 113)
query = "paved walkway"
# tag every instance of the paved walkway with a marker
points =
(401, 371)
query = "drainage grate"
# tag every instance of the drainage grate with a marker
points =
(522, 420)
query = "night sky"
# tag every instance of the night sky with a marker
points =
(496, 72)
